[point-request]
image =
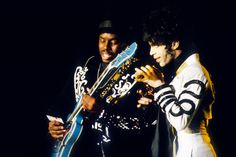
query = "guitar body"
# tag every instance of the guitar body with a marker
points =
(64, 147)
(74, 124)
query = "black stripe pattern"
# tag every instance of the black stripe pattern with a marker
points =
(184, 104)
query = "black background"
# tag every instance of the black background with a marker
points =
(40, 42)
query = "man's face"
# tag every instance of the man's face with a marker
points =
(160, 54)
(108, 46)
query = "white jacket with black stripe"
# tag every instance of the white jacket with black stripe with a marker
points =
(187, 103)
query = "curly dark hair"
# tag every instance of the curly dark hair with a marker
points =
(161, 27)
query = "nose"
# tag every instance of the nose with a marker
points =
(106, 45)
(151, 51)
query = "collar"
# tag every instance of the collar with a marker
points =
(191, 59)
(178, 64)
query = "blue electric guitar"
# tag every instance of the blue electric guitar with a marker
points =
(74, 122)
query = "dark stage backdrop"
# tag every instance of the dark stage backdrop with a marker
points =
(40, 42)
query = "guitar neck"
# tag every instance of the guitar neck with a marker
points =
(78, 109)
(115, 63)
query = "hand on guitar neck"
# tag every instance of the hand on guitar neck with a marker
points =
(88, 102)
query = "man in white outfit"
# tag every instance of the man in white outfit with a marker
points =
(184, 91)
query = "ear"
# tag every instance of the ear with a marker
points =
(175, 45)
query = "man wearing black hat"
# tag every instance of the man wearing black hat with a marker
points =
(118, 130)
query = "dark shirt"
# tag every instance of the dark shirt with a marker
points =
(121, 129)
(113, 130)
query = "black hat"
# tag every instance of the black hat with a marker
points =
(109, 26)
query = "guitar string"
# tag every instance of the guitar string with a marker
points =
(98, 72)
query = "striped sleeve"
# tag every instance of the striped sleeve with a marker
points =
(164, 97)
(180, 109)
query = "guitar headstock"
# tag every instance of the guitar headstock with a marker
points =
(124, 55)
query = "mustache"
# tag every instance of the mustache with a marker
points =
(110, 52)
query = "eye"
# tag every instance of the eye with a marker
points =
(114, 42)
(101, 40)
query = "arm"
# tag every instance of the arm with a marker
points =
(180, 101)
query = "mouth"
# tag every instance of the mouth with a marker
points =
(157, 59)
(106, 55)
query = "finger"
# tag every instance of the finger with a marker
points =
(58, 128)
(138, 70)
(56, 123)
(57, 136)
(84, 99)
(85, 96)
(141, 70)
(149, 68)
(139, 105)
(144, 101)
(88, 90)
(156, 71)
(53, 127)
(85, 107)
(144, 69)
(88, 107)
(58, 133)
(139, 75)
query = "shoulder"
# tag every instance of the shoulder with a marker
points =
(192, 69)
